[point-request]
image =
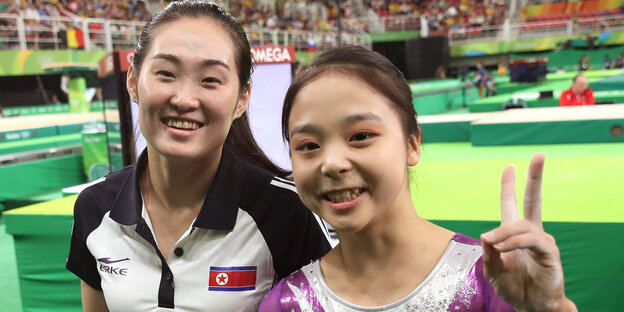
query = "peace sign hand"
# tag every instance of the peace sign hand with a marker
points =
(521, 261)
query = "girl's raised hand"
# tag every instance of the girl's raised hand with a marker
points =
(520, 260)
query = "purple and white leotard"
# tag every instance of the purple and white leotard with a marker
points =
(456, 283)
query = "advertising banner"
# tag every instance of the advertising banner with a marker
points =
(273, 54)
(95, 153)
(569, 7)
(29, 62)
(77, 95)
(533, 44)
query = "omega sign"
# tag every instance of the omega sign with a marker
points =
(273, 54)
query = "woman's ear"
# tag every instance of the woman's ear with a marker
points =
(413, 149)
(131, 84)
(243, 101)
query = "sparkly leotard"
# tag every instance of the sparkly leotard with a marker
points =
(456, 283)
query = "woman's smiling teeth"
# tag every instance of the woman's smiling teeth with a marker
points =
(186, 125)
(344, 195)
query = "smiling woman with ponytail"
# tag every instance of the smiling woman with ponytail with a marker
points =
(204, 220)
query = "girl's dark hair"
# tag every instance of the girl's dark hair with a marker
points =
(240, 138)
(372, 68)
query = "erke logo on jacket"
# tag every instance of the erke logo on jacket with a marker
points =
(232, 278)
(105, 266)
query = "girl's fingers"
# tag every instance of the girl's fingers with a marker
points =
(492, 262)
(505, 231)
(533, 190)
(532, 241)
(509, 201)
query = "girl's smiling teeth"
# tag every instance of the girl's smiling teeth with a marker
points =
(341, 196)
(182, 124)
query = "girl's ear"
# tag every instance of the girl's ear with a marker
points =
(243, 101)
(413, 149)
(131, 84)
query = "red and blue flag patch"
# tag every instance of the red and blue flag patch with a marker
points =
(232, 278)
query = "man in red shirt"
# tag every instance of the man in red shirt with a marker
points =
(578, 94)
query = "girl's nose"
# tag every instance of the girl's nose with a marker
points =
(335, 163)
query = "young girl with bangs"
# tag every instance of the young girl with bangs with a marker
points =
(352, 131)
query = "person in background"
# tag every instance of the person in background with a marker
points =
(480, 79)
(606, 64)
(584, 63)
(490, 85)
(441, 72)
(203, 221)
(560, 70)
(61, 34)
(352, 131)
(502, 70)
(54, 99)
(619, 61)
(578, 94)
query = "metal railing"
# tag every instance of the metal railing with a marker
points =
(23, 33)
(476, 34)
(302, 40)
(386, 23)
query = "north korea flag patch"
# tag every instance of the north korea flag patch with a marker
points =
(232, 278)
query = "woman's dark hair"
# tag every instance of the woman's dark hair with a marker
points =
(372, 68)
(240, 138)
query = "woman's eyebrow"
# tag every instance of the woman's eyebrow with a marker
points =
(205, 63)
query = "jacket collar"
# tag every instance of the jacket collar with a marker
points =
(219, 209)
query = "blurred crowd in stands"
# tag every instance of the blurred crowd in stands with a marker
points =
(311, 15)
(106, 9)
(70, 34)
(453, 18)
(441, 16)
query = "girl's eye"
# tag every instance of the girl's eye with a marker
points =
(165, 73)
(306, 147)
(361, 136)
(211, 80)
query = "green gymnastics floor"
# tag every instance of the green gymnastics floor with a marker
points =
(9, 290)
(455, 185)
(582, 182)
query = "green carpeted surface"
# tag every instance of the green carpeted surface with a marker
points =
(446, 97)
(446, 132)
(455, 185)
(591, 256)
(35, 178)
(39, 143)
(69, 135)
(547, 132)
(582, 182)
(10, 300)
